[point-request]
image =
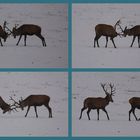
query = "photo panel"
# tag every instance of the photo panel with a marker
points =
(110, 93)
(35, 35)
(45, 94)
(102, 35)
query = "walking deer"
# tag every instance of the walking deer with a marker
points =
(135, 103)
(28, 29)
(135, 32)
(34, 100)
(107, 31)
(98, 102)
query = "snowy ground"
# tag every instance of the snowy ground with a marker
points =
(88, 85)
(84, 19)
(23, 84)
(52, 18)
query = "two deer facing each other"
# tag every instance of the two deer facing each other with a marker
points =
(100, 103)
(24, 30)
(109, 31)
(32, 100)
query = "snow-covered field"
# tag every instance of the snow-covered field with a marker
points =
(23, 84)
(88, 85)
(84, 19)
(52, 18)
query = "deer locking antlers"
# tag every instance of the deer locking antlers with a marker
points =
(109, 31)
(32, 100)
(24, 30)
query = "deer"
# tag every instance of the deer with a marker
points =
(135, 103)
(135, 32)
(99, 102)
(28, 29)
(34, 100)
(3, 34)
(5, 107)
(107, 31)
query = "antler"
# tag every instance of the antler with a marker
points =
(103, 86)
(113, 89)
(16, 25)
(5, 27)
(118, 24)
(16, 104)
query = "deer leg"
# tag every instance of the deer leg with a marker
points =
(25, 37)
(97, 114)
(106, 113)
(27, 111)
(1, 42)
(50, 111)
(130, 113)
(113, 42)
(82, 112)
(42, 38)
(139, 41)
(89, 109)
(106, 41)
(133, 41)
(19, 40)
(96, 40)
(36, 111)
(133, 111)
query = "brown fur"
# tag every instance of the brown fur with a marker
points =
(4, 106)
(28, 29)
(36, 100)
(98, 102)
(135, 32)
(3, 35)
(135, 103)
(104, 30)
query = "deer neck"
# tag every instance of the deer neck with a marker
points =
(129, 32)
(4, 106)
(107, 99)
(24, 103)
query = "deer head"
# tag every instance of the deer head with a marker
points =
(109, 94)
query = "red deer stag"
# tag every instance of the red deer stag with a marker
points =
(34, 100)
(3, 34)
(135, 32)
(98, 102)
(5, 107)
(28, 29)
(135, 103)
(107, 31)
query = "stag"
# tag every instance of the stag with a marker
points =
(34, 100)
(6, 107)
(28, 29)
(135, 32)
(107, 31)
(3, 34)
(135, 103)
(98, 102)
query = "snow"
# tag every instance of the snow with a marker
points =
(87, 84)
(52, 18)
(23, 84)
(84, 19)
